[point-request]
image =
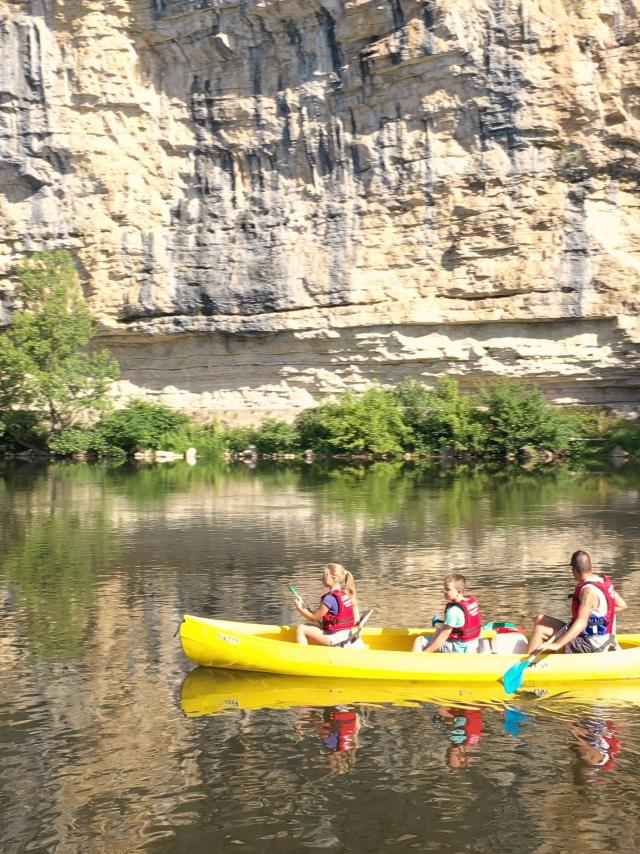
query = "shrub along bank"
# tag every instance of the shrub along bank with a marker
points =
(500, 420)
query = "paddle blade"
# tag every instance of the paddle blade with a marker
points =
(512, 679)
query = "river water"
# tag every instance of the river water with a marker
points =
(110, 741)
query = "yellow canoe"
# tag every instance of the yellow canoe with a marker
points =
(211, 692)
(272, 649)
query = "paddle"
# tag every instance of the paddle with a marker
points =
(355, 632)
(298, 596)
(512, 679)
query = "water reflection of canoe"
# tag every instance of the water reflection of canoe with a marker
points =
(272, 649)
(210, 692)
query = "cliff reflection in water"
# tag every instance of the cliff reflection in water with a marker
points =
(97, 566)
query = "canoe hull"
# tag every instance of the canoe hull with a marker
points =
(206, 691)
(272, 649)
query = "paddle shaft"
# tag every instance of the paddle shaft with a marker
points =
(301, 598)
(512, 679)
(531, 658)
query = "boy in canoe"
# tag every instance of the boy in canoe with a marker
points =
(461, 627)
(594, 605)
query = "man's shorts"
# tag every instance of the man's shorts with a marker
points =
(589, 644)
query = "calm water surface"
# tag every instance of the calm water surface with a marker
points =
(110, 741)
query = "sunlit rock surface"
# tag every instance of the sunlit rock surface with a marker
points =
(273, 201)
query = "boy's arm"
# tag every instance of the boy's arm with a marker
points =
(440, 637)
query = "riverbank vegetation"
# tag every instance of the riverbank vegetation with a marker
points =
(501, 420)
(54, 400)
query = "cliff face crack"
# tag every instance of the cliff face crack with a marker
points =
(495, 295)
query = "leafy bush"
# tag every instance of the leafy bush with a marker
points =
(370, 422)
(21, 430)
(238, 438)
(517, 415)
(85, 441)
(275, 436)
(75, 440)
(618, 432)
(441, 416)
(141, 425)
(205, 438)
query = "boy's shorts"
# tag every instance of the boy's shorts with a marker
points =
(447, 646)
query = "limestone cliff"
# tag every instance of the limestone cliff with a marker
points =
(270, 201)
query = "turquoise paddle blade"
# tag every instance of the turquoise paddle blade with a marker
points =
(512, 679)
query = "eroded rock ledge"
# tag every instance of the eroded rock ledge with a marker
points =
(273, 201)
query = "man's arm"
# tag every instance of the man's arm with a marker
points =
(621, 605)
(588, 601)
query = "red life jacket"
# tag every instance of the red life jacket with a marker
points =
(614, 746)
(466, 723)
(603, 736)
(472, 621)
(597, 625)
(344, 723)
(473, 726)
(344, 619)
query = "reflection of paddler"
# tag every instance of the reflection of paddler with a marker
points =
(343, 724)
(597, 743)
(338, 727)
(464, 725)
(464, 728)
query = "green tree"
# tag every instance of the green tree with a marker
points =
(45, 367)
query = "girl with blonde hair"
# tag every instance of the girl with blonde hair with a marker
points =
(337, 613)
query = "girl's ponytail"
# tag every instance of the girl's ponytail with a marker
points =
(349, 584)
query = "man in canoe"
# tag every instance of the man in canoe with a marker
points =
(594, 605)
(461, 627)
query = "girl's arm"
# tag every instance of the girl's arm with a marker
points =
(316, 616)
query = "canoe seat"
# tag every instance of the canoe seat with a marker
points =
(354, 641)
(513, 643)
